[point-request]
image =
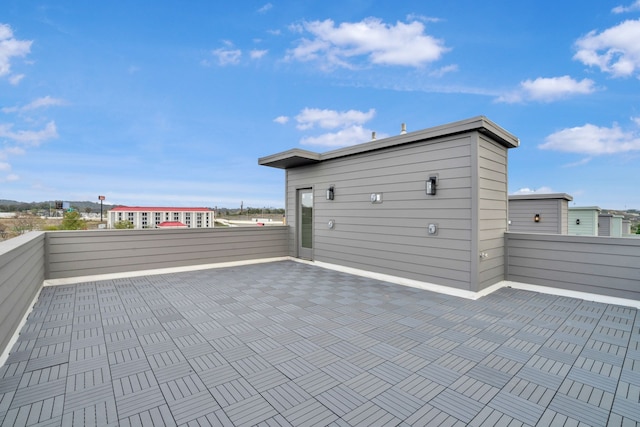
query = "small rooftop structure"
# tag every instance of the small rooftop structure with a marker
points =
(414, 203)
(610, 225)
(583, 220)
(539, 213)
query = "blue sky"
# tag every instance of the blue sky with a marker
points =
(172, 103)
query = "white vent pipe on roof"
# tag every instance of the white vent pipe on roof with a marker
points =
(403, 129)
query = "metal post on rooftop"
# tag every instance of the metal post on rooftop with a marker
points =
(101, 198)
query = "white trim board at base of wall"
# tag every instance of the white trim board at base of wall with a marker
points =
(156, 271)
(476, 295)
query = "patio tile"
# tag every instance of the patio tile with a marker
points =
(579, 410)
(233, 391)
(457, 405)
(250, 411)
(160, 416)
(398, 402)
(626, 402)
(370, 414)
(309, 413)
(429, 415)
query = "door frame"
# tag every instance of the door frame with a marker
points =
(302, 252)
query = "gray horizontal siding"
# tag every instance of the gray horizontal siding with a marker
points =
(22, 271)
(521, 213)
(73, 254)
(492, 212)
(605, 266)
(391, 237)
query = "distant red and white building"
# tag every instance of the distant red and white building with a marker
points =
(162, 217)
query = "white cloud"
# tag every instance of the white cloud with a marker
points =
(547, 89)
(16, 79)
(11, 48)
(227, 56)
(38, 103)
(12, 150)
(10, 178)
(29, 137)
(4, 166)
(348, 136)
(578, 163)
(636, 120)
(265, 8)
(403, 44)
(622, 9)
(592, 140)
(615, 50)
(257, 54)
(541, 190)
(281, 119)
(349, 124)
(331, 119)
(423, 18)
(444, 70)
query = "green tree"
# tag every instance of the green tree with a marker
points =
(124, 224)
(73, 221)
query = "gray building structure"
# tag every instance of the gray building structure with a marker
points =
(583, 220)
(539, 213)
(429, 205)
(610, 225)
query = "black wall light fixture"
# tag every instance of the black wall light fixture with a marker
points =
(577, 221)
(536, 218)
(430, 186)
(330, 193)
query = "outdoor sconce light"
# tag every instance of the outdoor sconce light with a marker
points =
(536, 218)
(431, 186)
(330, 193)
(578, 221)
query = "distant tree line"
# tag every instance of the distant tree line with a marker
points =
(249, 211)
(35, 207)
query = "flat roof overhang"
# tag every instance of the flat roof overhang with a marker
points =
(297, 157)
(290, 159)
(541, 196)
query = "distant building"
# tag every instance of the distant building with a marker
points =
(539, 213)
(583, 221)
(610, 225)
(154, 217)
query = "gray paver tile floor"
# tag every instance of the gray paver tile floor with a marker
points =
(290, 344)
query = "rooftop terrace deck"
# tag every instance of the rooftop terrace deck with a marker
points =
(287, 343)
